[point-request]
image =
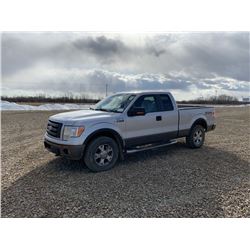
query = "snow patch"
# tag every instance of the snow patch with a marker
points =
(4, 105)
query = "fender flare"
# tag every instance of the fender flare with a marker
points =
(200, 121)
(110, 133)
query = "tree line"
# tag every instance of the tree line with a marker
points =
(49, 99)
(221, 99)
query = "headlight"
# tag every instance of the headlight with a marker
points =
(70, 131)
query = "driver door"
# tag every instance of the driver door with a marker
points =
(143, 129)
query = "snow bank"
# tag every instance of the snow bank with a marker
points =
(4, 105)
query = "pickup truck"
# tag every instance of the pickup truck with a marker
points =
(125, 123)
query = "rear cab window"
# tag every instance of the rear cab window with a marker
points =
(165, 102)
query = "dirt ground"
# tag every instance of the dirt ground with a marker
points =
(176, 181)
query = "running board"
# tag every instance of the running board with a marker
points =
(150, 146)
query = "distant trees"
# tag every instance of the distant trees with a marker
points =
(221, 99)
(67, 98)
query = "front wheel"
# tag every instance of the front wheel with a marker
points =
(196, 137)
(101, 154)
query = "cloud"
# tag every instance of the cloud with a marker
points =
(93, 82)
(100, 46)
(180, 62)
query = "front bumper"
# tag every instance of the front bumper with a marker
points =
(74, 152)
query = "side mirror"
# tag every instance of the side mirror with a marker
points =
(136, 111)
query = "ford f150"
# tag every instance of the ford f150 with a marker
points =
(125, 123)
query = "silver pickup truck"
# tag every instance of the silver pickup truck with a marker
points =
(126, 123)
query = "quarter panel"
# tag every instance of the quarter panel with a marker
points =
(189, 116)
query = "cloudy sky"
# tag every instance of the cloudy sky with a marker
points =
(190, 65)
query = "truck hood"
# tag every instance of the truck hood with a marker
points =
(82, 115)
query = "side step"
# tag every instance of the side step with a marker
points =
(150, 146)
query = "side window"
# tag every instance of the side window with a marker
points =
(166, 103)
(148, 102)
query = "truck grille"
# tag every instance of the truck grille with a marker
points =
(54, 129)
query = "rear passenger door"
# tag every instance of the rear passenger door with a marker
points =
(169, 125)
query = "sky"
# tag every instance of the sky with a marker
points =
(190, 65)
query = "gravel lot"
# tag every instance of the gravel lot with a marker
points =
(176, 181)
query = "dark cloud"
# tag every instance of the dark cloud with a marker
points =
(100, 46)
(155, 51)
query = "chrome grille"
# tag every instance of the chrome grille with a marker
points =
(54, 129)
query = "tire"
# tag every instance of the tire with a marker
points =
(196, 137)
(101, 154)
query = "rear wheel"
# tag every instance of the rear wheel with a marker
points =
(101, 154)
(196, 137)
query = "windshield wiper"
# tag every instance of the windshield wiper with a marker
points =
(108, 110)
(100, 109)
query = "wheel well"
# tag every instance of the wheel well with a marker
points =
(108, 133)
(201, 122)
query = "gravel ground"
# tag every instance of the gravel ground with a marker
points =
(213, 181)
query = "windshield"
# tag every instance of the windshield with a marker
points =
(115, 103)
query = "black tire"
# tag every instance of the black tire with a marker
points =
(196, 137)
(95, 158)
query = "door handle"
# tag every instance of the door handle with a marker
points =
(158, 118)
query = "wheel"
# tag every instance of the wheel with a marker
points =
(196, 137)
(101, 154)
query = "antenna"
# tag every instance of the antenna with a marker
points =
(106, 89)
